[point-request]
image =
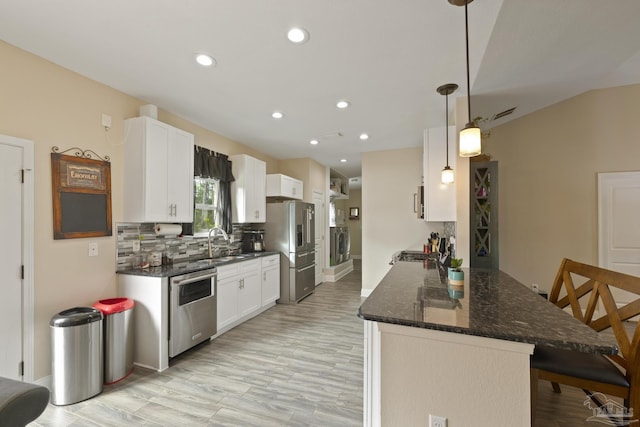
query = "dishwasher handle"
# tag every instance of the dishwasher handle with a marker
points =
(188, 280)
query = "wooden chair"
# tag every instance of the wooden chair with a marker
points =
(616, 375)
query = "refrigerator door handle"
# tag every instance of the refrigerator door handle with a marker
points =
(308, 215)
(307, 253)
(306, 268)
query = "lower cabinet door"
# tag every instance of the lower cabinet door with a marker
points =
(228, 292)
(250, 293)
(270, 285)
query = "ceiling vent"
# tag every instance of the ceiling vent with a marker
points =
(332, 135)
(503, 114)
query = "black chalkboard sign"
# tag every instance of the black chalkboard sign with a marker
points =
(81, 197)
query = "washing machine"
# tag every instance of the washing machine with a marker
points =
(339, 245)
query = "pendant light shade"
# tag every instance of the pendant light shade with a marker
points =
(447, 175)
(446, 90)
(470, 135)
(470, 141)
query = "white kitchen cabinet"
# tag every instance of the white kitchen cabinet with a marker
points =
(250, 288)
(249, 189)
(228, 291)
(158, 172)
(283, 186)
(270, 279)
(239, 292)
(439, 198)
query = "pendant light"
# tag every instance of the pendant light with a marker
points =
(446, 90)
(470, 135)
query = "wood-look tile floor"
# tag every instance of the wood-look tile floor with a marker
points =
(294, 365)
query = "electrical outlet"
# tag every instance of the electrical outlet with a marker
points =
(93, 249)
(106, 121)
(135, 246)
(534, 286)
(436, 421)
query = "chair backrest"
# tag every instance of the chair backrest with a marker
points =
(582, 282)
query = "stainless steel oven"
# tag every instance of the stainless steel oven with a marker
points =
(192, 309)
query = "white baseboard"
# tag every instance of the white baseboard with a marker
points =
(44, 381)
(337, 272)
(365, 292)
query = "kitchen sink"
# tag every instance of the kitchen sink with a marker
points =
(224, 258)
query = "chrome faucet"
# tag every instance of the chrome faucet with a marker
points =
(224, 236)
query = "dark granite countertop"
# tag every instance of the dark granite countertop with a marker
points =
(178, 268)
(491, 304)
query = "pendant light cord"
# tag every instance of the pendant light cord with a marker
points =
(466, 32)
(446, 117)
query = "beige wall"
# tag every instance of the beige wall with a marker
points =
(548, 163)
(389, 181)
(53, 106)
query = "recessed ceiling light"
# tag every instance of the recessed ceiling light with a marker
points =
(343, 160)
(364, 136)
(277, 115)
(297, 35)
(205, 60)
(343, 104)
(313, 142)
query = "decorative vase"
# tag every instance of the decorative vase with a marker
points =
(456, 277)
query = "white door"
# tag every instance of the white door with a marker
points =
(320, 225)
(15, 262)
(619, 223)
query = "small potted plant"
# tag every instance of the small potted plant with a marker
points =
(456, 275)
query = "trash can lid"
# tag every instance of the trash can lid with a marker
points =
(76, 316)
(114, 305)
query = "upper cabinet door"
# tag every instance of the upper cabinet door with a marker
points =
(155, 143)
(439, 198)
(284, 187)
(158, 172)
(180, 176)
(249, 189)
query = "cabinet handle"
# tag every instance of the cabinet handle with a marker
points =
(175, 209)
(264, 276)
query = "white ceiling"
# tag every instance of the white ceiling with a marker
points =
(386, 57)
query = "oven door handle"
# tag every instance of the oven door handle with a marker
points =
(194, 279)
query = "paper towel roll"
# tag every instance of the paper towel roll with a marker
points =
(168, 229)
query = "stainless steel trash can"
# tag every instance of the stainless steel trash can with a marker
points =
(118, 337)
(76, 355)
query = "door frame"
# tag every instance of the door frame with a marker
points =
(320, 196)
(27, 147)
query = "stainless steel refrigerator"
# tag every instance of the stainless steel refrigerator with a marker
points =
(290, 230)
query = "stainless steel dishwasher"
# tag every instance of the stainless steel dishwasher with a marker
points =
(192, 309)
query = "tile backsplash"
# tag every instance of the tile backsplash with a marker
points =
(174, 248)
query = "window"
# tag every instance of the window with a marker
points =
(207, 213)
